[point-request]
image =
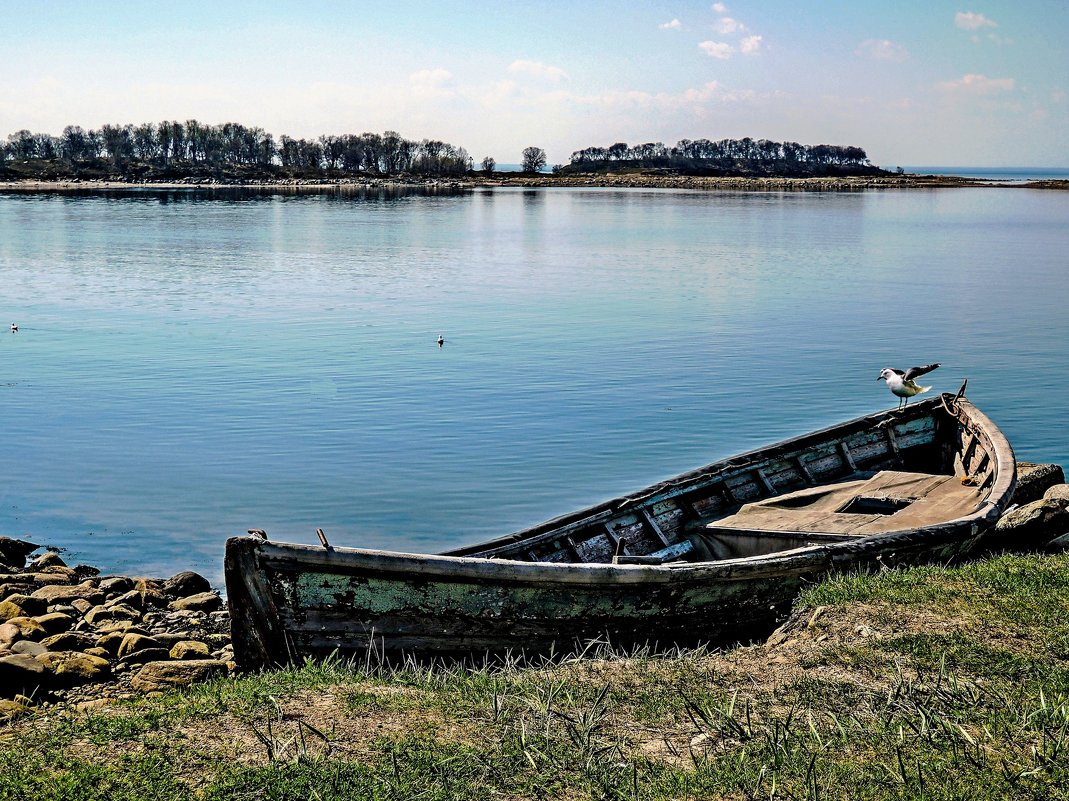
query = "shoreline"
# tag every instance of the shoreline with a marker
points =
(505, 180)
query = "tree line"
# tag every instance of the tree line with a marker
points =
(726, 156)
(172, 148)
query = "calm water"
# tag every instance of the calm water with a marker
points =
(188, 367)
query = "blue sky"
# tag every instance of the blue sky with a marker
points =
(914, 82)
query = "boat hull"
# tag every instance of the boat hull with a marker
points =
(291, 601)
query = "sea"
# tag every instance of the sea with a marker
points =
(191, 364)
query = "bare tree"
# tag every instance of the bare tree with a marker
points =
(534, 159)
(489, 165)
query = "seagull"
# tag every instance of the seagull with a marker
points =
(441, 340)
(901, 382)
(14, 328)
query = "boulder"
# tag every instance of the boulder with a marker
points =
(147, 655)
(1030, 526)
(1058, 493)
(1035, 479)
(185, 584)
(13, 552)
(21, 674)
(10, 609)
(200, 602)
(189, 649)
(47, 559)
(11, 709)
(133, 642)
(108, 614)
(55, 622)
(22, 628)
(33, 606)
(69, 641)
(28, 647)
(115, 585)
(160, 676)
(55, 594)
(73, 668)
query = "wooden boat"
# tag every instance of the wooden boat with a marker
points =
(714, 555)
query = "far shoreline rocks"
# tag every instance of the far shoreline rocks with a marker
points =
(539, 180)
(70, 635)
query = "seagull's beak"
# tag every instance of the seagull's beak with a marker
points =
(879, 378)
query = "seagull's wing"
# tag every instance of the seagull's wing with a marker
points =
(896, 370)
(916, 372)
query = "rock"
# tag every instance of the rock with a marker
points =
(72, 668)
(103, 653)
(152, 593)
(53, 594)
(133, 599)
(47, 559)
(13, 552)
(21, 674)
(186, 583)
(133, 642)
(189, 649)
(22, 628)
(11, 709)
(69, 641)
(28, 647)
(1059, 493)
(116, 585)
(159, 676)
(66, 573)
(108, 614)
(1030, 526)
(147, 655)
(201, 602)
(55, 622)
(1035, 479)
(42, 579)
(10, 609)
(33, 606)
(81, 605)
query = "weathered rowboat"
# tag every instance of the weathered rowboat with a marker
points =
(714, 555)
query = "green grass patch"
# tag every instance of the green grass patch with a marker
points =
(931, 683)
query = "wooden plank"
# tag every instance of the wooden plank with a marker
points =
(656, 529)
(844, 449)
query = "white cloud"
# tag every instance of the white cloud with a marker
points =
(977, 85)
(882, 50)
(536, 69)
(728, 26)
(720, 8)
(721, 50)
(969, 21)
(435, 77)
(674, 25)
(750, 45)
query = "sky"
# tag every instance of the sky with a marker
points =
(913, 82)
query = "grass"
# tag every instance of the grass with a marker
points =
(927, 683)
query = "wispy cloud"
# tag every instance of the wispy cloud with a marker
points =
(750, 45)
(728, 26)
(732, 28)
(882, 50)
(977, 85)
(673, 25)
(536, 69)
(970, 21)
(721, 50)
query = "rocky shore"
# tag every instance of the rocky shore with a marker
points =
(540, 180)
(70, 635)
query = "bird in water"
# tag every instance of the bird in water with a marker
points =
(901, 382)
(441, 340)
(14, 328)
